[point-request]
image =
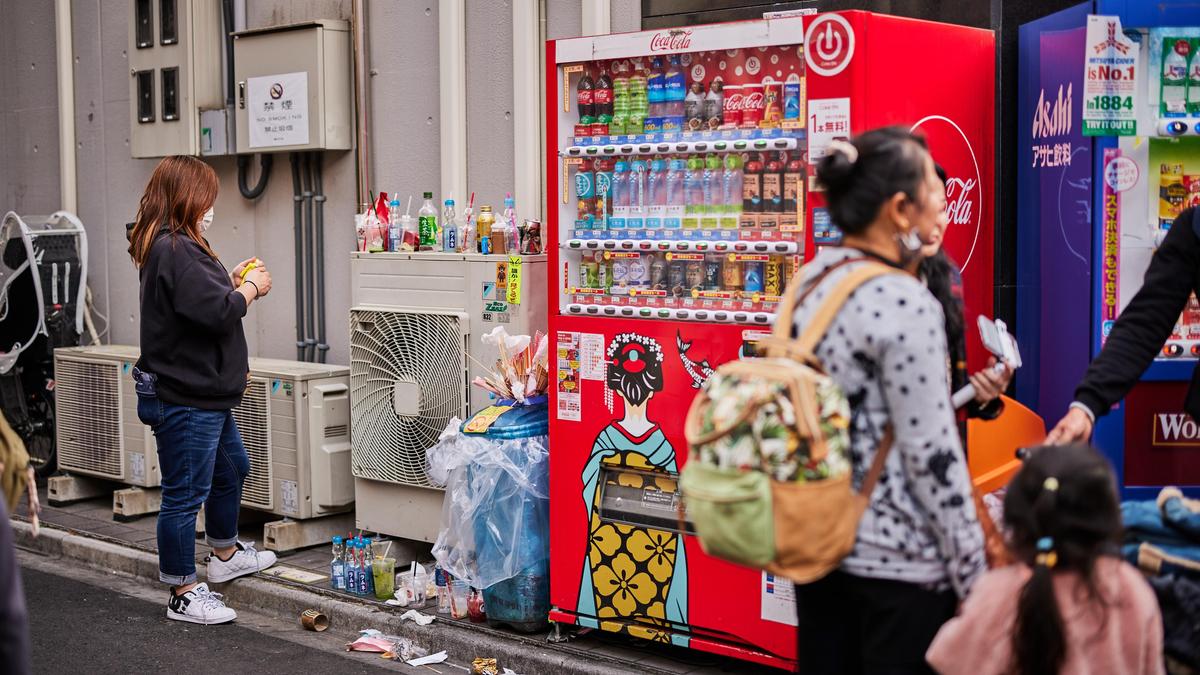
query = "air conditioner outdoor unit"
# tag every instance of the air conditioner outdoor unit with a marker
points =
(294, 421)
(416, 328)
(97, 428)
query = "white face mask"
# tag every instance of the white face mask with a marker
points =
(206, 220)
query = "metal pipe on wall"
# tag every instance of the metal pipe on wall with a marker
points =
(318, 255)
(597, 17)
(65, 53)
(310, 340)
(298, 225)
(527, 106)
(362, 128)
(452, 84)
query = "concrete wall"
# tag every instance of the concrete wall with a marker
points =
(28, 108)
(403, 116)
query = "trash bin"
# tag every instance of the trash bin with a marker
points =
(496, 519)
(522, 601)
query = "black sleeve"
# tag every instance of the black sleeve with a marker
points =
(205, 296)
(985, 412)
(14, 622)
(1146, 323)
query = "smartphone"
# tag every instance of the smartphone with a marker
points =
(998, 341)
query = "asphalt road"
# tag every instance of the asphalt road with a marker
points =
(96, 627)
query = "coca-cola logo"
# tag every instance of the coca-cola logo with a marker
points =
(752, 101)
(829, 44)
(676, 40)
(951, 147)
(734, 102)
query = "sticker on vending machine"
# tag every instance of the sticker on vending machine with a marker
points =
(591, 356)
(570, 406)
(778, 600)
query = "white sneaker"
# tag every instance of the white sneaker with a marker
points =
(245, 560)
(199, 605)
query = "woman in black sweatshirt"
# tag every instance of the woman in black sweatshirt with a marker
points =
(191, 375)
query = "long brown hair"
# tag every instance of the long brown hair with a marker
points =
(180, 190)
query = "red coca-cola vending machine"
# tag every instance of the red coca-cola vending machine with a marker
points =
(681, 199)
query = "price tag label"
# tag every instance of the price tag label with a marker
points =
(567, 71)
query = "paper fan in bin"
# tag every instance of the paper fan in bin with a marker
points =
(408, 378)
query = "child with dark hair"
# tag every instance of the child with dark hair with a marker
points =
(632, 575)
(1071, 605)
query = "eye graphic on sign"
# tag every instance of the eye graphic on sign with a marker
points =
(829, 44)
(276, 90)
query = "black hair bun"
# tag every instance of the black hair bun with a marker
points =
(835, 170)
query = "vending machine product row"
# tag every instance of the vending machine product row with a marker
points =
(680, 174)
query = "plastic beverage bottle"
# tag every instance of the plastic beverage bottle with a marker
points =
(731, 192)
(604, 179)
(656, 90)
(693, 193)
(585, 196)
(1193, 85)
(395, 234)
(337, 567)
(620, 196)
(351, 565)
(714, 105)
(639, 102)
(602, 96)
(1174, 77)
(585, 97)
(620, 111)
(693, 108)
(638, 205)
(656, 194)
(510, 223)
(427, 224)
(674, 197)
(713, 179)
(674, 95)
(368, 568)
(450, 243)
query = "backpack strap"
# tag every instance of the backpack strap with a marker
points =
(828, 311)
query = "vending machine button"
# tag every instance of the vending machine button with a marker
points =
(762, 318)
(721, 316)
(593, 150)
(701, 315)
(720, 145)
(701, 246)
(1172, 350)
(1195, 350)
(644, 149)
(701, 147)
(741, 246)
(611, 311)
(646, 312)
(683, 314)
(610, 149)
(575, 243)
(681, 147)
(593, 244)
(645, 245)
(592, 309)
(664, 147)
(627, 245)
(626, 311)
(783, 247)
(760, 144)
(681, 246)
(739, 145)
(741, 317)
(574, 150)
(626, 149)
(664, 245)
(721, 246)
(762, 246)
(574, 309)
(1177, 128)
(610, 244)
(664, 313)
(781, 143)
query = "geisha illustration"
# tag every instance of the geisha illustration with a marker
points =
(636, 575)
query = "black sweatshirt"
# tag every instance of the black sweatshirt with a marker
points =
(192, 337)
(1144, 326)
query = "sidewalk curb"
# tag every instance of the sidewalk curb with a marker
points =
(529, 655)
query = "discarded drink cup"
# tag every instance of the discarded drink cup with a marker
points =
(384, 571)
(314, 620)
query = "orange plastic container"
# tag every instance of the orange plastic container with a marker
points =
(993, 444)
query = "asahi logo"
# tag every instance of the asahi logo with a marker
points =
(1175, 428)
(673, 41)
(1053, 118)
(960, 206)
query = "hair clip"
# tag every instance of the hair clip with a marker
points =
(846, 148)
(1050, 484)
(1045, 544)
(1047, 560)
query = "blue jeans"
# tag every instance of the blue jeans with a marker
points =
(203, 462)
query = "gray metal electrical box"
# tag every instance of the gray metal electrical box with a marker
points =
(174, 73)
(294, 87)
